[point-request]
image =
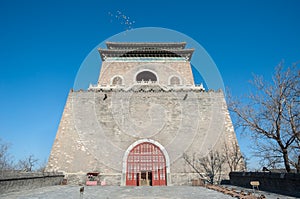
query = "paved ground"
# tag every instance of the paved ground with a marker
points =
(258, 193)
(113, 192)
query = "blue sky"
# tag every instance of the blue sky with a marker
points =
(43, 43)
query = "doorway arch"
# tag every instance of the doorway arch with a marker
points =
(146, 162)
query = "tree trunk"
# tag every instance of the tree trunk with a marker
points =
(212, 179)
(298, 165)
(286, 160)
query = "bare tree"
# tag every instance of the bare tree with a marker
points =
(194, 163)
(246, 162)
(6, 162)
(42, 166)
(233, 157)
(28, 163)
(272, 114)
(211, 165)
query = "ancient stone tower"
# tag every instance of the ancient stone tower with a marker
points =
(134, 126)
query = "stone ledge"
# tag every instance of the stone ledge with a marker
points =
(28, 175)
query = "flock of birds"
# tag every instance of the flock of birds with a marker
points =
(122, 19)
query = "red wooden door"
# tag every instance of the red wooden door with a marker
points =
(146, 157)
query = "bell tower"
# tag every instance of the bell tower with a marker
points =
(144, 113)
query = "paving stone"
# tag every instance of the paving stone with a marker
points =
(115, 192)
(112, 192)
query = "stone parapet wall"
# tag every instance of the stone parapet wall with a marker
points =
(282, 183)
(23, 181)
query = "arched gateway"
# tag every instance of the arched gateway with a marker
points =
(146, 163)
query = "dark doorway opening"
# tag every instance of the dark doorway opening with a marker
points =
(145, 178)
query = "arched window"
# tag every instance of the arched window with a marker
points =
(146, 76)
(174, 80)
(117, 81)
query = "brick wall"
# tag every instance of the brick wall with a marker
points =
(94, 134)
(282, 183)
(128, 70)
(23, 181)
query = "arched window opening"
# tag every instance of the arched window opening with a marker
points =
(174, 80)
(117, 81)
(146, 76)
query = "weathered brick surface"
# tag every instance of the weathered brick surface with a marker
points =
(94, 133)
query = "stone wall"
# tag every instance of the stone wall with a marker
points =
(282, 183)
(23, 181)
(95, 131)
(163, 70)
